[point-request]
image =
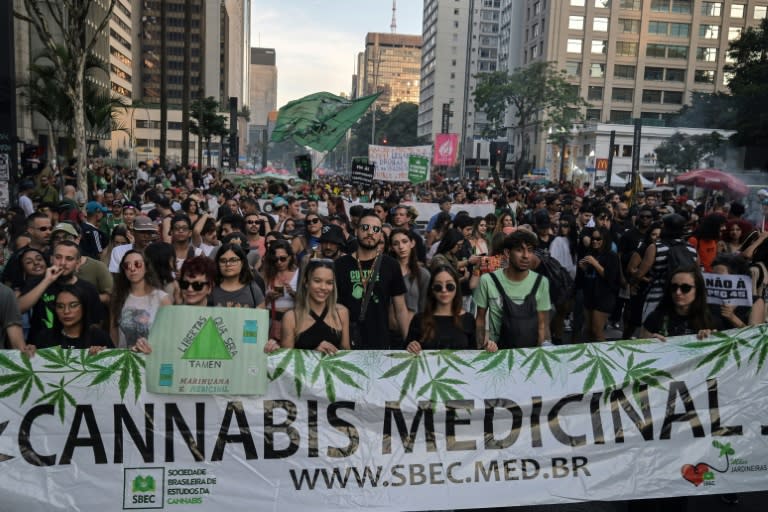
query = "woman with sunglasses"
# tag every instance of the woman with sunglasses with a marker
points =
(683, 308)
(72, 326)
(443, 324)
(281, 276)
(235, 287)
(308, 242)
(136, 297)
(317, 322)
(196, 279)
(598, 277)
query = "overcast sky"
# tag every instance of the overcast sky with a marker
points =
(316, 41)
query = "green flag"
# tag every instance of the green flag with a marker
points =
(319, 120)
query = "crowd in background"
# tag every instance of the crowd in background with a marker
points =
(337, 267)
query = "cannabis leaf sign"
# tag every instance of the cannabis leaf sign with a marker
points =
(71, 366)
(439, 387)
(721, 348)
(333, 369)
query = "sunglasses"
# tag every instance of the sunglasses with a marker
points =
(449, 287)
(685, 288)
(44, 228)
(254, 222)
(282, 259)
(597, 239)
(196, 285)
(370, 227)
(313, 221)
(128, 265)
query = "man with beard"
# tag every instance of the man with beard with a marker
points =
(353, 276)
(331, 242)
(526, 292)
(39, 295)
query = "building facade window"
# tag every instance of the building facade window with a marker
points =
(574, 45)
(626, 49)
(704, 76)
(709, 31)
(624, 71)
(631, 5)
(734, 33)
(622, 94)
(674, 75)
(576, 22)
(628, 26)
(673, 97)
(600, 24)
(737, 10)
(712, 9)
(652, 73)
(594, 93)
(573, 68)
(761, 11)
(600, 47)
(620, 116)
(706, 54)
(651, 96)
(597, 70)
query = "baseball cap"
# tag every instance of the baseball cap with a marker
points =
(143, 223)
(94, 206)
(690, 203)
(67, 228)
(332, 234)
(279, 202)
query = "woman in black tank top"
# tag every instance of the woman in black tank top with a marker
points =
(317, 322)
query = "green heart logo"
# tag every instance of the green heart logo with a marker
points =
(144, 484)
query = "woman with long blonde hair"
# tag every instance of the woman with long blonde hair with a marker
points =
(317, 321)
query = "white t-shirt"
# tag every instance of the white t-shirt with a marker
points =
(137, 317)
(26, 204)
(117, 256)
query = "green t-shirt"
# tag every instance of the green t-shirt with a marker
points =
(486, 295)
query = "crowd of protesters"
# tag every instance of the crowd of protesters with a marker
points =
(337, 267)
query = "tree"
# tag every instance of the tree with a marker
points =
(206, 123)
(708, 110)
(748, 85)
(78, 24)
(685, 152)
(537, 96)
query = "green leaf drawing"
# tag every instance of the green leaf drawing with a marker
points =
(597, 364)
(760, 349)
(643, 373)
(540, 357)
(58, 397)
(298, 359)
(721, 349)
(18, 378)
(410, 366)
(725, 449)
(334, 368)
(441, 389)
(495, 360)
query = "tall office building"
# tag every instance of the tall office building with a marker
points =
(634, 58)
(390, 64)
(120, 54)
(263, 94)
(461, 39)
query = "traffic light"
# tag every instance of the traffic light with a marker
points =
(303, 167)
(498, 154)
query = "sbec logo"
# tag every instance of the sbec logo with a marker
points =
(143, 488)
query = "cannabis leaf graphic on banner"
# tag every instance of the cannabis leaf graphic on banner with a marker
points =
(723, 348)
(332, 368)
(72, 366)
(438, 386)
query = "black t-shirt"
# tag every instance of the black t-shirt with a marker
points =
(43, 313)
(93, 337)
(447, 335)
(672, 324)
(351, 291)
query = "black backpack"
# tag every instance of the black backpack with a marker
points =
(679, 255)
(560, 281)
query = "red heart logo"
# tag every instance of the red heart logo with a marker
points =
(694, 474)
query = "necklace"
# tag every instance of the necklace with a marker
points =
(363, 279)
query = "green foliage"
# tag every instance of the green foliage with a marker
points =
(749, 85)
(207, 123)
(537, 96)
(685, 152)
(708, 110)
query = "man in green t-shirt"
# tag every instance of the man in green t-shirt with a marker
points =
(530, 309)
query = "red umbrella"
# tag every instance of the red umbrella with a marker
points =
(713, 179)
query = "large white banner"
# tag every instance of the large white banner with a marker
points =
(391, 430)
(392, 161)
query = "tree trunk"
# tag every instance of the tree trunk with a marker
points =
(199, 152)
(208, 148)
(81, 151)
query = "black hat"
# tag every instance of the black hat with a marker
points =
(332, 234)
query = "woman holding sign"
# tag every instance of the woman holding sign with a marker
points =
(737, 316)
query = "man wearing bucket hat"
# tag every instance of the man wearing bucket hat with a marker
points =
(332, 242)
(144, 233)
